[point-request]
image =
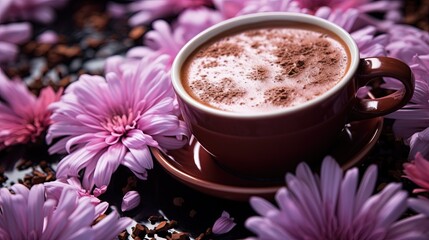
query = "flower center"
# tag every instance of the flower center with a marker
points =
(34, 128)
(119, 125)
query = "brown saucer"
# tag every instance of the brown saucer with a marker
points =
(193, 166)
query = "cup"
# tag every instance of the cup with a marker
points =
(269, 144)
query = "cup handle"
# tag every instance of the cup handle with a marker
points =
(376, 67)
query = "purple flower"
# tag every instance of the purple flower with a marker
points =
(28, 214)
(104, 122)
(418, 171)
(223, 224)
(333, 206)
(146, 11)
(23, 116)
(420, 205)
(10, 36)
(42, 11)
(130, 200)
(412, 122)
(407, 41)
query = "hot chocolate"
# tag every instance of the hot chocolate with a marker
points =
(265, 68)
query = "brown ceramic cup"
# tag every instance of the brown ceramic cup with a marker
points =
(272, 143)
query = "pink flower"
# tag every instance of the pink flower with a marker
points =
(366, 5)
(104, 122)
(391, 9)
(11, 35)
(165, 39)
(169, 39)
(334, 206)
(368, 43)
(223, 224)
(55, 188)
(187, 25)
(233, 8)
(146, 11)
(120, 65)
(23, 116)
(42, 11)
(48, 37)
(28, 214)
(130, 200)
(162, 40)
(418, 171)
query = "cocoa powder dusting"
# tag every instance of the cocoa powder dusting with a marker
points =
(254, 33)
(220, 49)
(278, 96)
(210, 64)
(316, 52)
(225, 91)
(292, 57)
(259, 73)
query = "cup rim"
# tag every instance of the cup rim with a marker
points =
(226, 25)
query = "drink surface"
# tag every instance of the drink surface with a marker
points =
(265, 68)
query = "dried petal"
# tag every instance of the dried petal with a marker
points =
(223, 224)
(130, 201)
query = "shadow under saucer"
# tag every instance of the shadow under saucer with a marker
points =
(195, 167)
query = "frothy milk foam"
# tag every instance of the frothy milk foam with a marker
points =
(265, 69)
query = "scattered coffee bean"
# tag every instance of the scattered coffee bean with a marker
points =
(178, 201)
(192, 213)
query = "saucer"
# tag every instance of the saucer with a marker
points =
(193, 166)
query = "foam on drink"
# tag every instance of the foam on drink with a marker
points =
(265, 69)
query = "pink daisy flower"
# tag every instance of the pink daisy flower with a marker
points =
(162, 40)
(55, 188)
(11, 35)
(391, 9)
(23, 116)
(28, 214)
(168, 40)
(335, 206)
(146, 11)
(102, 123)
(368, 43)
(365, 5)
(233, 8)
(42, 11)
(418, 171)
